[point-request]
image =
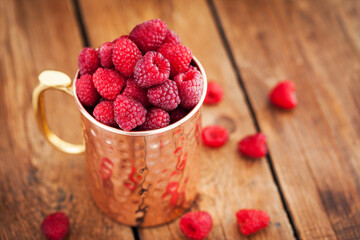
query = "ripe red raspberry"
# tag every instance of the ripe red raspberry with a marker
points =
(190, 86)
(105, 51)
(171, 37)
(214, 93)
(251, 221)
(104, 113)
(135, 92)
(149, 35)
(177, 114)
(152, 69)
(165, 96)
(178, 55)
(253, 145)
(214, 136)
(89, 61)
(125, 55)
(128, 113)
(86, 91)
(108, 83)
(283, 95)
(55, 226)
(155, 118)
(196, 225)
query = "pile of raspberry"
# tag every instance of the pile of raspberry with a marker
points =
(139, 82)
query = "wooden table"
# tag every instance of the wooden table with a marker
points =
(309, 183)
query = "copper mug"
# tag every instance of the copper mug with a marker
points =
(142, 178)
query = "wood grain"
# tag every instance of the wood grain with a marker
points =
(229, 182)
(35, 179)
(315, 148)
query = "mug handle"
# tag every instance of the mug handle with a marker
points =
(51, 79)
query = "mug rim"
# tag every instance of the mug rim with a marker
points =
(170, 127)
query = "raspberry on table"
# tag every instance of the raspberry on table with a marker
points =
(135, 92)
(215, 136)
(55, 226)
(196, 225)
(89, 61)
(177, 114)
(190, 85)
(214, 93)
(104, 113)
(283, 95)
(105, 51)
(251, 221)
(125, 56)
(86, 91)
(149, 35)
(253, 146)
(155, 118)
(128, 113)
(171, 37)
(178, 55)
(152, 69)
(165, 96)
(108, 83)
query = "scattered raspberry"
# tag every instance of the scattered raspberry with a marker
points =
(125, 56)
(178, 55)
(171, 37)
(196, 225)
(149, 35)
(135, 92)
(108, 83)
(86, 91)
(215, 136)
(105, 51)
(128, 113)
(165, 96)
(214, 93)
(251, 221)
(155, 118)
(104, 113)
(89, 61)
(55, 226)
(253, 145)
(190, 86)
(283, 95)
(177, 114)
(152, 69)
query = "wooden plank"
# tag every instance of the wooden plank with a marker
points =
(316, 147)
(229, 182)
(35, 179)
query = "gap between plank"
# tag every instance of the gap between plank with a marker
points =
(227, 46)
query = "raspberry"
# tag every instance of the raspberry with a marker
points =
(106, 54)
(178, 55)
(283, 95)
(196, 225)
(171, 37)
(55, 226)
(149, 35)
(190, 86)
(104, 113)
(128, 113)
(121, 37)
(251, 221)
(155, 118)
(135, 92)
(88, 61)
(214, 93)
(152, 69)
(214, 136)
(177, 114)
(108, 83)
(165, 96)
(125, 56)
(253, 145)
(86, 91)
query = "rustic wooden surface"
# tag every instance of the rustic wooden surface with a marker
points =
(309, 184)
